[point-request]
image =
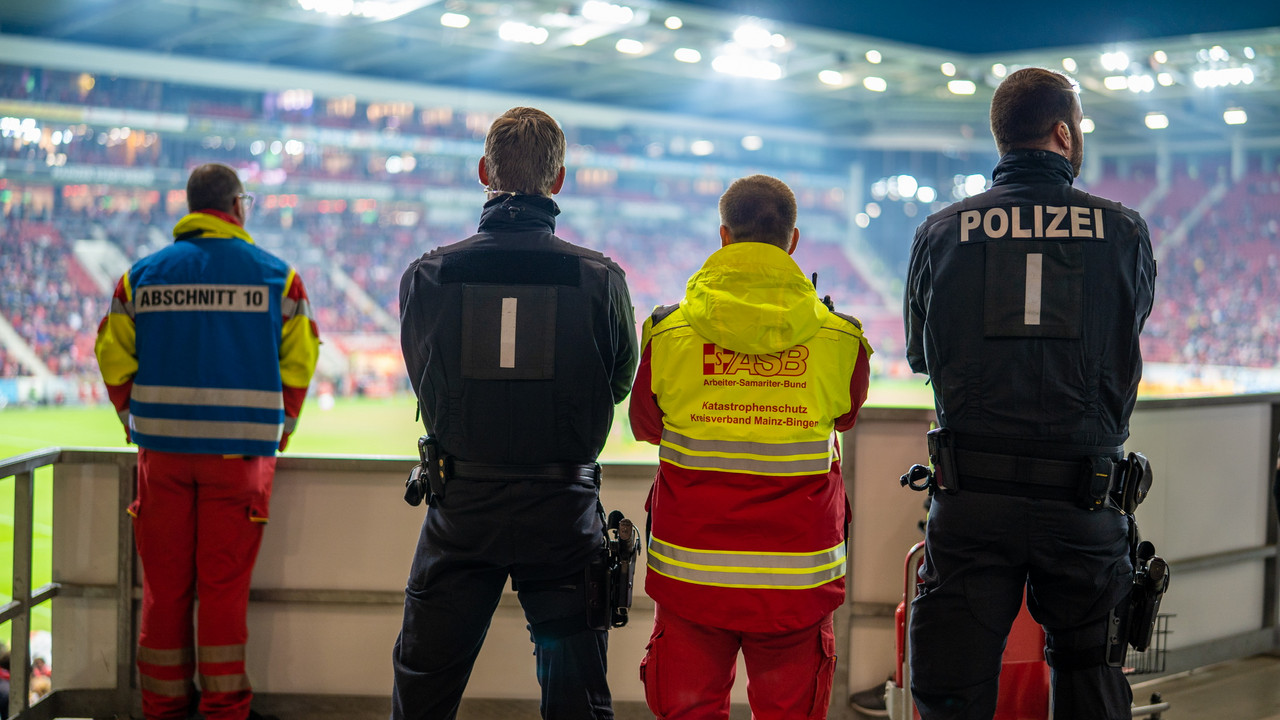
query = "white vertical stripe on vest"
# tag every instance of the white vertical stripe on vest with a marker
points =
(1035, 280)
(507, 339)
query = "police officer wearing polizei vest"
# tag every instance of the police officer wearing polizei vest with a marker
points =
(518, 345)
(207, 352)
(1023, 305)
(741, 385)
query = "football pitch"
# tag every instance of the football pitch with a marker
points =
(352, 426)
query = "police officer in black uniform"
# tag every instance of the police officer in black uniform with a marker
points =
(518, 345)
(1023, 305)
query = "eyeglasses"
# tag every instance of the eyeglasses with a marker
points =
(246, 201)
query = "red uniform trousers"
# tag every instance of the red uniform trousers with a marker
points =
(198, 525)
(688, 670)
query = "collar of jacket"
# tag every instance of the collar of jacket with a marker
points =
(1033, 166)
(209, 224)
(751, 297)
(511, 212)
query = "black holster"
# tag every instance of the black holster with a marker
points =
(942, 457)
(611, 575)
(427, 478)
(1133, 623)
(1134, 482)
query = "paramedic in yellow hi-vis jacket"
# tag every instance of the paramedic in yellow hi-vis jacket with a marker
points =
(207, 352)
(742, 385)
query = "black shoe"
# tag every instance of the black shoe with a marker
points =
(870, 702)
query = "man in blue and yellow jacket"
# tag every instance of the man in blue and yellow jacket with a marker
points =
(207, 352)
(742, 385)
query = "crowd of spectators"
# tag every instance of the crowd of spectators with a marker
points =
(51, 307)
(1215, 297)
(1217, 292)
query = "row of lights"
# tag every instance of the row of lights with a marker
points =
(752, 37)
(1231, 116)
(749, 38)
(741, 58)
(380, 10)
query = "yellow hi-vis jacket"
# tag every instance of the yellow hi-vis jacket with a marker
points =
(741, 386)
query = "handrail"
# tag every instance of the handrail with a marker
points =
(17, 611)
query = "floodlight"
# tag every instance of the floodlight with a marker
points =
(454, 20)
(688, 55)
(628, 46)
(1235, 116)
(831, 77)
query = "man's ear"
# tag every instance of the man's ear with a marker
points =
(484, 173)
(725, 237)
(795, 238)
(1062, 134)
(559, 183)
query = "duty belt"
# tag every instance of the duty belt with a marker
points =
(1093, 476)
(1018, 475)
(552, 472)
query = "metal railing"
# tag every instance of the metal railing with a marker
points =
(17, 611)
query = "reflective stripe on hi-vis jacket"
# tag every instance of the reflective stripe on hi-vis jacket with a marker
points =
(743, 569)
(805, 457)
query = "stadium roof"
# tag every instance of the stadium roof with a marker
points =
(885, 74)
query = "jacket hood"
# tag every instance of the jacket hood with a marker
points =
(751, 297)
(203, 224)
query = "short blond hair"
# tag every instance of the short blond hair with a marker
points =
(759, 208)
(523, 152)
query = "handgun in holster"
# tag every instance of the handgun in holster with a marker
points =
(426, 479)
(611, 575)
(1133, 624)
(1150, 581)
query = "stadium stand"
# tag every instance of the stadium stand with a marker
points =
(352, 191)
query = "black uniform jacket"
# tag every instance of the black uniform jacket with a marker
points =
(1024, 304)
(517, 343)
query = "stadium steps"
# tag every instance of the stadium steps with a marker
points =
(102, 261)
(356, 294)
(16, 346)
(1178, 236)
(1147, 205)
(873, 272)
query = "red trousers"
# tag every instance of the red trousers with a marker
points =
(198, 525)
(688, 670)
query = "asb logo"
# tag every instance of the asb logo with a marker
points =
(788, 363)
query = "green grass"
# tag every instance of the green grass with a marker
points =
(350, 427)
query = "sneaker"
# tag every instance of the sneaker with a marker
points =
(870, 702)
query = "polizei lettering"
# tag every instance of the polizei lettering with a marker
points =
(204, 298)
(1032, 222)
